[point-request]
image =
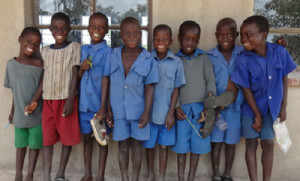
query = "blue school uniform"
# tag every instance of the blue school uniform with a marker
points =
(127, 94)
(187, 138)
(263, 76)
(90, 85)
(171, 76)
(232, 114)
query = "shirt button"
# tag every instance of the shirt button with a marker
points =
(270, 97)
(125, 86)
(270, 77)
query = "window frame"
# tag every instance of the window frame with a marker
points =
(110, 27)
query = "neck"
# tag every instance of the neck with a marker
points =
(60, 45)
(132, 50)
(162, 55)
(261, 50)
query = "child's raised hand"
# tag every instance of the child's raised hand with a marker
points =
(282, 114)
(144, 120)
(86, 64)
(257, 123)
(179, 113)
(170, 120)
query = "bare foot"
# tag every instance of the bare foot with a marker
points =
(99, 179)
(29, 178)
(87, 178)
(150, 177)
(18, 177)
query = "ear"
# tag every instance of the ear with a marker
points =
(265, 35)
(19, 40)
(237, 34)
(171, 41)
(179, 37)
(216, 35)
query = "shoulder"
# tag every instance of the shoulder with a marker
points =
(37, 62)
(76, 45)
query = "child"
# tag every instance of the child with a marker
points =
(23, 74)
(223, 59)
(200, 81)
(133, 72)
(93, 89)
(60, 109)
(261, 71)
(171, 77)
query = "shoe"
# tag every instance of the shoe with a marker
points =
(226, 178)
(99, 130)
(222, 100)
(209, 121)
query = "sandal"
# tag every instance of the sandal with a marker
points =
(226, 178)
(99, 130)
(216, 178)
(222, 100)
(60, 179)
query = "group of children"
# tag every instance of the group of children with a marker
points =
(147, 98)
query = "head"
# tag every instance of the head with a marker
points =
(60, 27)
(162, 38)
(189, 36)
(226, 33)
(254, 32)
(98, 27)
(130, 32)
(30, 40)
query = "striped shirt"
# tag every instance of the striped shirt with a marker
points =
(58, 64)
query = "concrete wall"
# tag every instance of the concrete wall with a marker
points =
(15, 14)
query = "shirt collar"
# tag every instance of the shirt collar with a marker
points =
(170, 55)
(215, 51)
(270, 48)
(197, 52)
(98, 46)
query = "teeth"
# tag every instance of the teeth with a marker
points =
(161, 47)
(30, 50)
(246, 44)
(59, 37)
(97, 35)
(189, 49)
(225, 44)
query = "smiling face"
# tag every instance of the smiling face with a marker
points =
(131, 34)
(189, 40)
(29, 43)
(97, 29)
(226, 36)
(252, 39)
(60, 30)
(162, 40)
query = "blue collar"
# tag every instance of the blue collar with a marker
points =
(98, 46)
(270, 48)
(170, 55)
(215, 51)
(197, 52)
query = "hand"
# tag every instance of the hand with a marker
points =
(170, 120)
(86, 64)
(101, 114)
(110, 119)
(144, 120)
(68, 107)
(282, 41)
(31, 107)
(179, 114)
(10, 117)
(282, 114)
(257, 123)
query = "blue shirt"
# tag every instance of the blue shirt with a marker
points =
(223, 71)
(171, 75)
(196, 53)
(90, 85)
(127, 93)
(264, 77)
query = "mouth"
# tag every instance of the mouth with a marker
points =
(189, 49)
(96, 35)
(59, 37)
(225, 44)
(246, 44)
(160, 46)
(29, 49)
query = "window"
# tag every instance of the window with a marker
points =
(80, 10)
(284, 19)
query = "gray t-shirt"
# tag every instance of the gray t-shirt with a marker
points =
(23, 80)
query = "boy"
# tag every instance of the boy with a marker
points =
(133, 72)
(60, 110)
(171, 77)
(93, 90)
(261, 71)
(200, 81)
(23, 74)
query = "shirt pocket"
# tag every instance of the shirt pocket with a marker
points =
(255, 84)
(115, 74)
(139, 75)
(170, 80)
(278, 71)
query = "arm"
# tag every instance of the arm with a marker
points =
(209, 76)
(149, 91)
(12, 111)
(84, 66)
(68, 108)
(104, 94)
(251, 102)
(170, 119)
(282, 114)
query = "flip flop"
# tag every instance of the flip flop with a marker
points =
(61, 179)
(216, 178)
(99, 130)
(226, 178)
(222, 100)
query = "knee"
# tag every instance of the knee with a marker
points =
(123, 147)
(251, 144)
(267, 145)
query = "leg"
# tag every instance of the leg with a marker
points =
(150, 163)
(33, 156)
(123, 156)
(267, 158)
(47, 154)
(181, 159)
(103, 151)
(88, 148)
(251, 146)
(194, 159)
(215, 158)
(229, 158)
(64, 158)
(163, 159)
(20, 157)
(136, 147)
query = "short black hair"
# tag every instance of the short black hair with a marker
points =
(227, 21)
(99, 14)
(189, 25)
(29, 30)
(61, 16)
(129, 20)
(260, 21)
(162, 27)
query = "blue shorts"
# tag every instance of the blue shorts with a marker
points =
(85, 124)
(232, 135)
(187, 140)
(161, 135)
(124, 129)
(266, 133)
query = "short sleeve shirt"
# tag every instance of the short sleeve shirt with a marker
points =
(127, 94)
(90, 84)
(264, 77)
(58, 64)
(24, 81)
(171, 75)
